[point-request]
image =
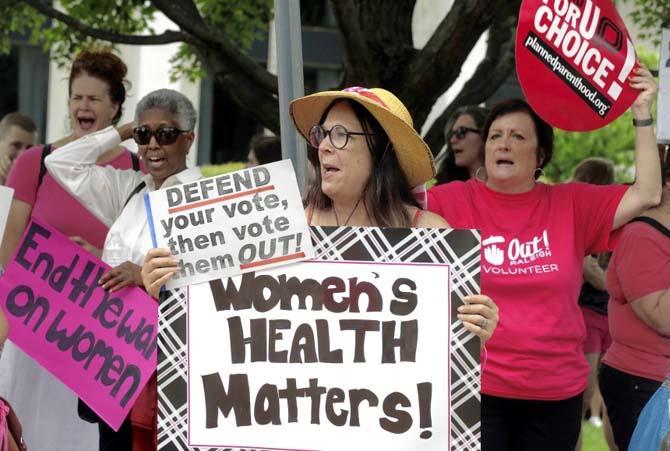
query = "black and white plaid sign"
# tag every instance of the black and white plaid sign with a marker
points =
(458, 248)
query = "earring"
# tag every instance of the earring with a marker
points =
(539, 172)
(477, 174)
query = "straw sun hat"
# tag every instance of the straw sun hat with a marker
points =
(414, 156)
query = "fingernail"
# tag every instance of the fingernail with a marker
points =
(459, 316)
(461, 308)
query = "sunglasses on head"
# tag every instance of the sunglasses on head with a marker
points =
(460, 132)
(164, 135)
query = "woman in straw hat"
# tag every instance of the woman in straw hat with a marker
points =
(366, 158)
(372, 158)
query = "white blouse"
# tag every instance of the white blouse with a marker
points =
(103, 190)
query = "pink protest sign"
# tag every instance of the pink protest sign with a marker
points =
(101, 345)
(573, 58)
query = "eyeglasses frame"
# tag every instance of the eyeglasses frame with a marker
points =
(461, 132)
(328, 132)
(153, 134)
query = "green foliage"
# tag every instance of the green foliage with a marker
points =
(241, 21)
(217, 169)
(650, 16)
(20, 19)
(616, 141)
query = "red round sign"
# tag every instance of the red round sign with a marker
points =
(573, 59)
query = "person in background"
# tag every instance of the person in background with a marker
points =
(653, 427)
(464, 153)
(638, 280)
(534, 239)
(17, 133)
(164, 130)
(263, 150)
(97, 91)
(593, 299)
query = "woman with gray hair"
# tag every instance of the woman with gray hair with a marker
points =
(164, 130)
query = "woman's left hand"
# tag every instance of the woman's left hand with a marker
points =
(124, 275)
(479, 315)
(643, 80)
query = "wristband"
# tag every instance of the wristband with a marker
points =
(643, 122)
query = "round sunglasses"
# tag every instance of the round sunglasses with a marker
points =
(338, 135)
(460, 132)
(164, 135)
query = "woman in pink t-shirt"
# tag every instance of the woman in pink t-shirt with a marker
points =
(638, 281)
(534, 239)
(96, 95)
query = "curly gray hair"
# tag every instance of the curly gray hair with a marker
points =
(172, 101)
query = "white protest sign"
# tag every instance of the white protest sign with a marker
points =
(232, 223)
(6, 195)
(322, 355)
(663, 109)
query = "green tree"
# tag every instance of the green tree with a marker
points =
(650, 15)
(375, 35)
(616, 141)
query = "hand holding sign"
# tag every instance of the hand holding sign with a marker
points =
(101, 345)
(158, 268)
(127, 274)
(644, 81)
(479, 316)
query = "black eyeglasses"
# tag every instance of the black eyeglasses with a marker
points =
(338, 135)
(164, 135)
(460, 132)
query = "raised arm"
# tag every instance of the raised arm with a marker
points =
(101, 189)
(646, 191)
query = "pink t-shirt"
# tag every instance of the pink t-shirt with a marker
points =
(52, 204)
(640, 266)
(533, 245)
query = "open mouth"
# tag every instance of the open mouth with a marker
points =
(503, 162)
(329, 170)
(86, 123)
(155, 162)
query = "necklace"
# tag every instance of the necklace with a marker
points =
(337, 220)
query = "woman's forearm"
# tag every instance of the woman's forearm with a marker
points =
(74, 167)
